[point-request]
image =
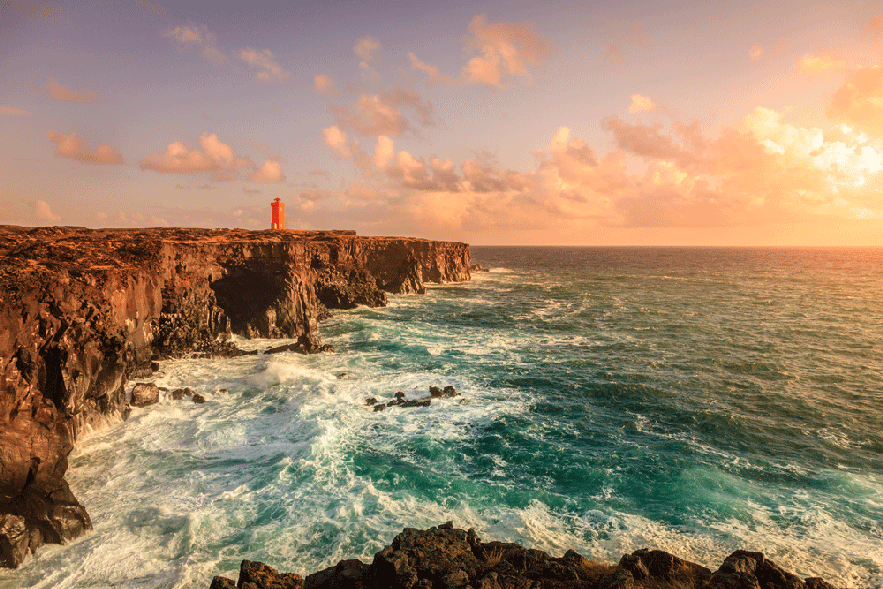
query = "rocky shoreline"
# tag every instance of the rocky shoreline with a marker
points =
(444, 557)
(82, 312)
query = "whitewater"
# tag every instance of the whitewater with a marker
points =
(694, 400)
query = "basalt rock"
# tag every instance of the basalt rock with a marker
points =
(82, 311)
(144, 394)
(449, 558)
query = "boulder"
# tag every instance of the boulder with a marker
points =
(144, 394)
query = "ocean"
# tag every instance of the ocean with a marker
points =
(694, 400)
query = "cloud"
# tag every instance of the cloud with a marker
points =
(381, 114)
(859, 101)
(433, 76)
(756, 51)
(875, 27)
(44, 212)
(73, 146)
(368, 51)
(12, 111)
(268, 69)
(59, 91)
(815, 66)
(336, 139)
(216, 157)
(269, 171)
(625, 35)
(323, 84)
(200, 38)
(506, 50)
(641, 103)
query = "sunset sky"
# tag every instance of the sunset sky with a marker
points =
(492, 122)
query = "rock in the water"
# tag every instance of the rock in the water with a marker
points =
(179, 394)
(145, 394)
(197, 398)
(370, 401)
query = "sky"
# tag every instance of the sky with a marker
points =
(658, 122)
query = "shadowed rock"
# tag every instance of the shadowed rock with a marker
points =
(144, 394)
(449, 558)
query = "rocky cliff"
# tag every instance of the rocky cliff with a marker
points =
(448, 558)
(82, 311)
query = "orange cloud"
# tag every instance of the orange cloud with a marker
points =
(324, 84)
(59, 91)
(381, 114)
(336, 139)
(269, 171)
(368, 51)
(626, 35)
(73, 146)
(859, 101)
(815, 66)
(12, 111)
(756, 52)
(268, 69)
(216, 157)
(44, 212)
(433, 76)
(507, 50)
(641, 103)
(200, 38)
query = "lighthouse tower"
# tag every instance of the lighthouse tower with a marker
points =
(277, 218)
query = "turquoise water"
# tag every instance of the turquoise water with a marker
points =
(692, 400)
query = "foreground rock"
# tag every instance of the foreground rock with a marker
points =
(83, 311)
(448, 558)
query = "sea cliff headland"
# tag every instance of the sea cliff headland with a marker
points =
(84, 311)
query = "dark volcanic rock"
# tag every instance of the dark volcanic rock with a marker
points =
(448, 558)
(144, 394)
(82, 311)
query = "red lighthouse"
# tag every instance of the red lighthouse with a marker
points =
(277, 219)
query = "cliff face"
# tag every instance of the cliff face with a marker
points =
(82, 311)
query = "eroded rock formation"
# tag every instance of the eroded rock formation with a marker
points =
(448, 558)
(82, 311)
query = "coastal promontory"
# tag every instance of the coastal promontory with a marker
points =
(84, 311)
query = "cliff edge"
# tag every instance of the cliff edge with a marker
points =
(82, 311)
